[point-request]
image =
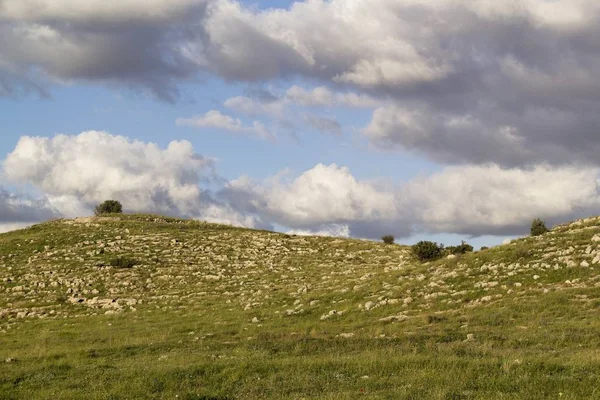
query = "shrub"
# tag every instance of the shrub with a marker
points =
(426, 251)
(109, 207)
(538, 227)
(484, 248)
(463, 248)
(123, 262)
(388, 239)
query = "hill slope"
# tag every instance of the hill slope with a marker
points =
(215, 312)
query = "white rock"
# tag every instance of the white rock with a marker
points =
(585, 264)
(451, 257)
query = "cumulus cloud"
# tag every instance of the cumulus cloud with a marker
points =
(95, 166)
(474, 200)
(77, 172)
(317, 199)
(215, 119)
(479, 200)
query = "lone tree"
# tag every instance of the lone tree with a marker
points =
(109, 207)
(538, 227)
(388, 239)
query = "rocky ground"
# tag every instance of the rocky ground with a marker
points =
(62, 269)
(142, 306)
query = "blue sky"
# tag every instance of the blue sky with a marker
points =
(319, 117)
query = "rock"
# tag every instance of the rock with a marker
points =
(596, 238)
(470, 338)
(394, 318)
(255, 320)
(10, 360)
(451, 257)
(346, 335)
(536, 277)
(369, 305)
(584, 264)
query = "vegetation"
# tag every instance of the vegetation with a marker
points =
(427, 251)
(216, 312)
(463, 248)
(538, 227)
(388, 239)
(109, 207)
(123, 262)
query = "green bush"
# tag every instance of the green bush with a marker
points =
(109, 207)
(388, 239)
(123, 262)
(538, 227)
(463, 248)
(427, 251)
(484, 248)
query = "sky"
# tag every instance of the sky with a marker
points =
(442, 120)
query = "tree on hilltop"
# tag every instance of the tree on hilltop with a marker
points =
(109, 207)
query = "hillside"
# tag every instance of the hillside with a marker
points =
(216, 312)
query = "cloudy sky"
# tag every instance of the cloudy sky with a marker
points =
(441, 119)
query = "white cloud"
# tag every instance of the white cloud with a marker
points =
(78, 172)
(249, 106)
(322, 96)
(321, 196)
(215, 119)
(474, 200)
(326, 230)
(479, 200)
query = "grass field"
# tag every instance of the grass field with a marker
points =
(214, 312)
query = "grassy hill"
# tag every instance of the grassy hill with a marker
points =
(142, 306)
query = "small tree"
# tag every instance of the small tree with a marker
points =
(109, 207)
(388, 239)
(463, 248)
(538, 227)
(427, 251)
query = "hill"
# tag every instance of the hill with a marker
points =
(143, 306)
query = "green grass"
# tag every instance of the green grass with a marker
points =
(190, 333)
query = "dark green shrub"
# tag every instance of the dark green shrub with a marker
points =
(109, 207)
(427, 251)
(463, 248)
(484, 248)
(388, 239)
(123, 262)
(538, 227)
